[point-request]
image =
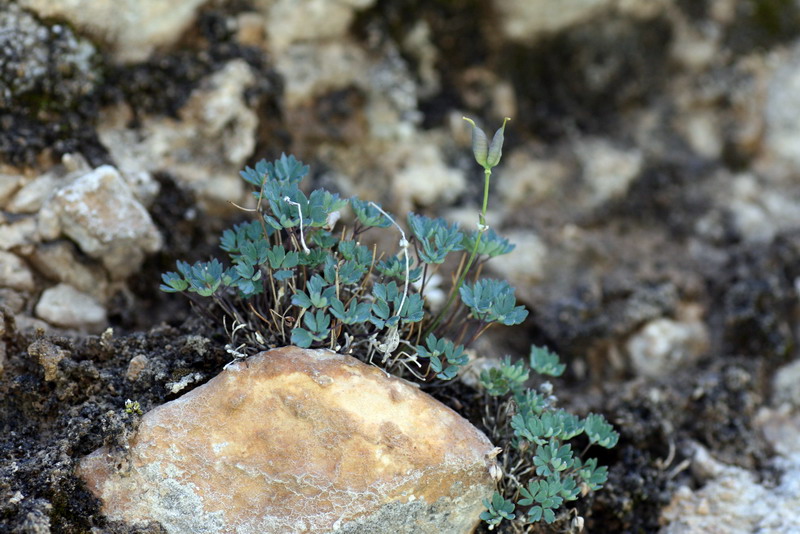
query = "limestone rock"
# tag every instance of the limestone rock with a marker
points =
(65, 306)
(19, 233)
(58, 260)
(9, 183)
(528, 263)
(43, 61)
(14, 273)
(30, 198)
(782, 105)
(310, 70)
(664, 345)
(607, 170)
(732, 501)
(133, 28)
(295, 440)
(526, 21)
(204, 150)
(290, 21)
(427, 179)
(786, 385)
(100, 213)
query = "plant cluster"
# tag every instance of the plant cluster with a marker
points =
(296, 275)
(541, 471)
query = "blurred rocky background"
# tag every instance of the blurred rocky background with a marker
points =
(651, 182)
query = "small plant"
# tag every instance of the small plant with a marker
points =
(541, 471)
(295, 275)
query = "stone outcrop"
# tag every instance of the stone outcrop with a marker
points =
(295, 440)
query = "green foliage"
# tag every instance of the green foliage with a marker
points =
(445, 358)
(545, 362)
(295, 276)
(493, 301)
(290, 278)
(497, 509)
(543, 469)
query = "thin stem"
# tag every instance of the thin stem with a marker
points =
(481, 230)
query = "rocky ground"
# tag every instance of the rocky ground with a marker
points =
(650, 179)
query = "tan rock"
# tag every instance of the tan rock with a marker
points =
(14, 273)
(63, 305)
(58, 260)
(100, 213)
(294, 441)
(48, 355)
(205, 149)
(132, 28)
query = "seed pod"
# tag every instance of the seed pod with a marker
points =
(480, 144)
(496, 148)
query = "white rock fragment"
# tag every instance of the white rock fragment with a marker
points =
(732, 501)
(526, 21)
(526, 265)
(664, 345)
(31, 197)
(9, 183)
(426, 179)
(58, 261)
(99, 212)
(761, 210)
(291, 21)
(310, 69)
(782, 109)
(14, 273)
(204, 150)
(132, 28)
(65, 306)
(607, 170)
(18, 233)
(786, 385)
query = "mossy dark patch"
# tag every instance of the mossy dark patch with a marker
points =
(49, 425)
(763, 24)
(585, 78)
(666, 194)
(755, 300)
(458, 30)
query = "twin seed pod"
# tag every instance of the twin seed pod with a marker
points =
(487, 155)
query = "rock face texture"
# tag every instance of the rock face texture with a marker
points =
(297, 440)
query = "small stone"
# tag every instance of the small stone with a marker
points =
(30, 198)
(426, 179)
(136, 366)
(59, 261)
(14, 273)
(786, 385)
(310, 70)
(48, 355)
(204, 150)
(293, 441)
(664, 345)
(9, 183)
(290, 21)
(525, 265)
(607, 170)
(65, 306)
(100, 213)
(18, 233)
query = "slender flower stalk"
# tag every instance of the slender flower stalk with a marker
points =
(488, 156)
